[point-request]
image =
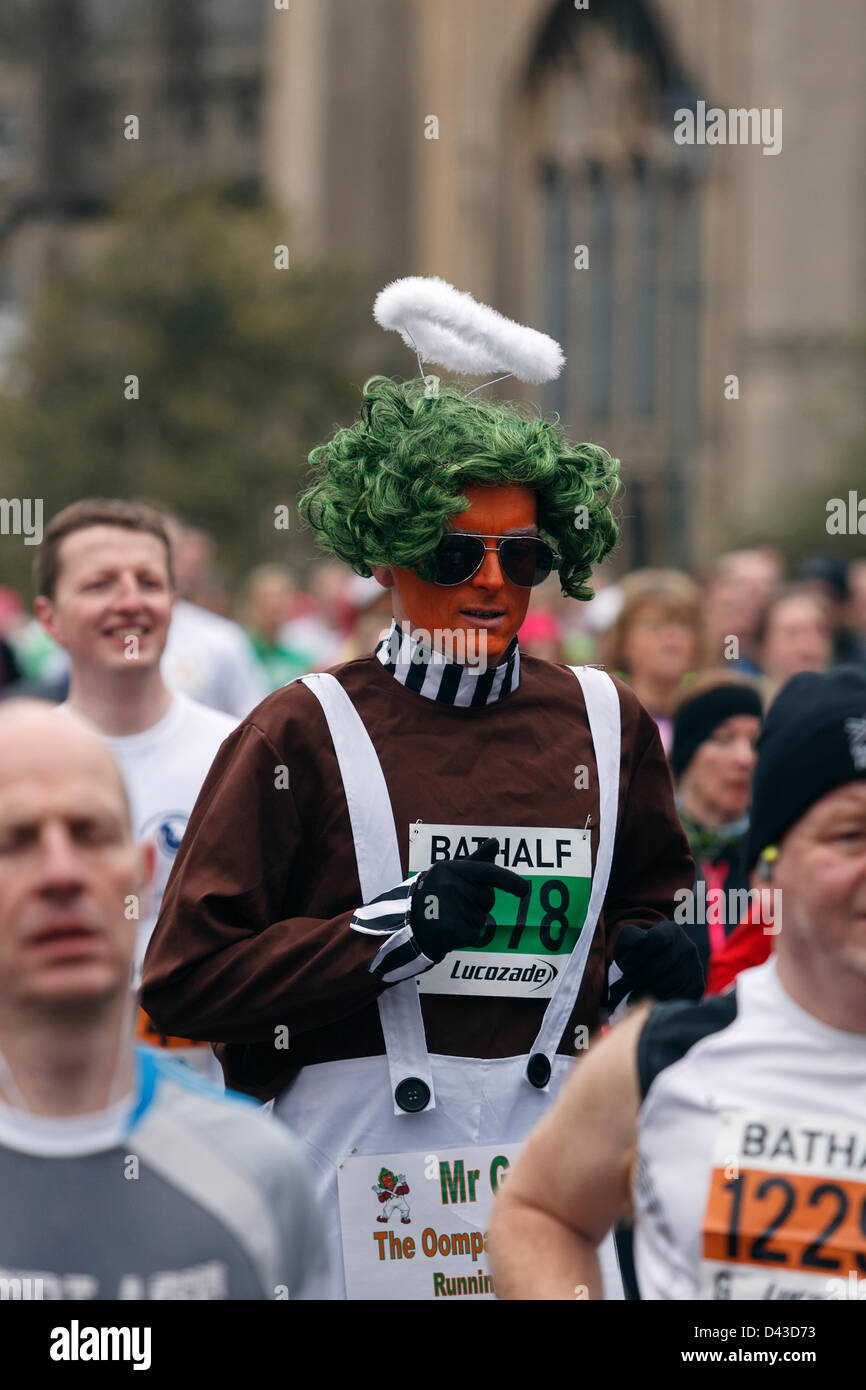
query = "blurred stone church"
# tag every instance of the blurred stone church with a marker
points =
(711, 298)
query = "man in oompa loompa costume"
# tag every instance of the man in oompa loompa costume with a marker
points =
(433, 866)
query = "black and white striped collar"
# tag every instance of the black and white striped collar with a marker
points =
(429, 673)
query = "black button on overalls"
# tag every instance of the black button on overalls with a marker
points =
(538, 1070)
(412, 1094)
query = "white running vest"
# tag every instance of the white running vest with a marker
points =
(751, 1173)
(345, 1110)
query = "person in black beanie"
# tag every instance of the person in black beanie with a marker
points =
(813, 742)
(716, 726)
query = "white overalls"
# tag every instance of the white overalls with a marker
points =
(346, 1109)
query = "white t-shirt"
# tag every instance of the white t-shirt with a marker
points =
(752, 1147)
(212, 660)
(312, 635)
(163, 769)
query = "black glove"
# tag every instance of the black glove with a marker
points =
(660, 961)
(450, 902)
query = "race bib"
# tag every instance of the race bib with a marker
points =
(526, 941)
(786, 1214)
(414, 1225)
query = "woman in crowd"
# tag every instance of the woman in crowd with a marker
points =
(656, 640)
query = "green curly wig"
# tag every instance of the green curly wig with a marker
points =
(385, 488)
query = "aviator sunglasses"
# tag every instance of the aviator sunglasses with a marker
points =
(525, 560)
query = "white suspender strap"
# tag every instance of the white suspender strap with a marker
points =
(378, 856)
(603, 713)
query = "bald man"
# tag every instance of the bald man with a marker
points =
(121, 1176)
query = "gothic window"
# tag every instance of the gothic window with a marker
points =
(620, 235)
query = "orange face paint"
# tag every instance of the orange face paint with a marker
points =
(488, 604)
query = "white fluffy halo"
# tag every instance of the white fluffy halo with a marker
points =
(452, 329)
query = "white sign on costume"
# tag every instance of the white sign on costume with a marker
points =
(421, 1224)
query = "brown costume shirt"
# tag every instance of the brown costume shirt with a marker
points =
(254, 929)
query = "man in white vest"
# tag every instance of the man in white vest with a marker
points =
(733, 1129)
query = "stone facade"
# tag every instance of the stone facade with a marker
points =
(555, 130)
(487, 141)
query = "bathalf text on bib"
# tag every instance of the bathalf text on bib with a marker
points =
(786, 1211)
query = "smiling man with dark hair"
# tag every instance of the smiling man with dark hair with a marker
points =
(105, 592)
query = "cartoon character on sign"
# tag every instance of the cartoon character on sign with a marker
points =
(391, 1190)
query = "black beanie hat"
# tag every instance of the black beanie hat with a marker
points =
(698, 718)
(814, 740)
